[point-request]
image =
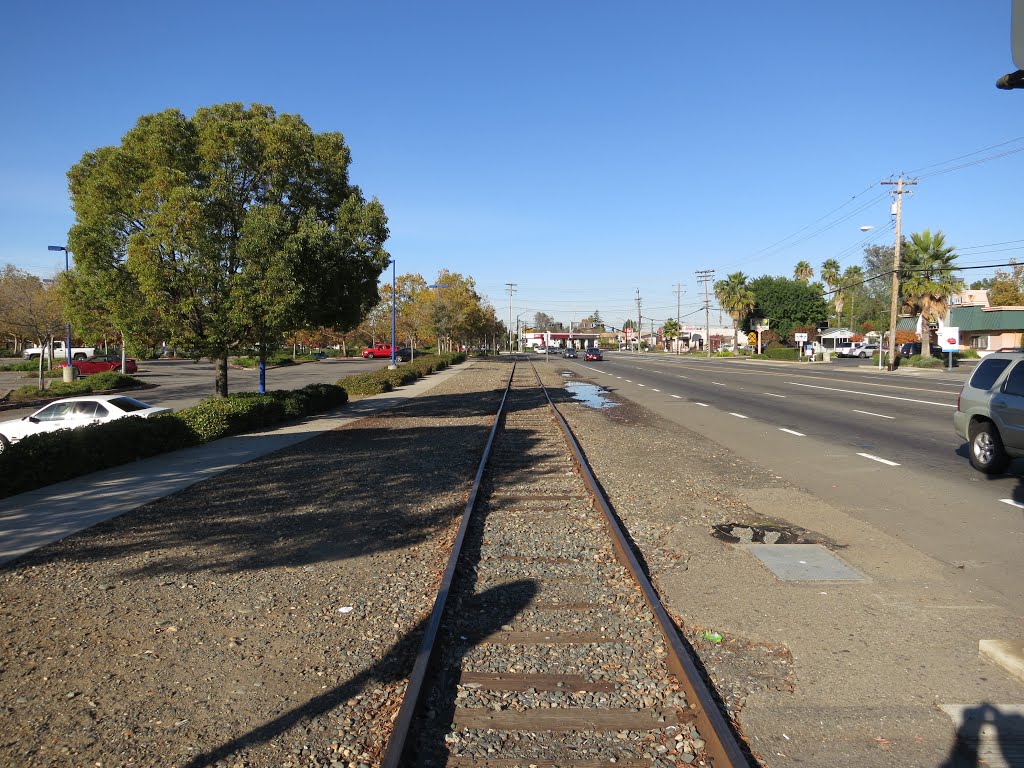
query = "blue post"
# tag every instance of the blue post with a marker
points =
(263, 377)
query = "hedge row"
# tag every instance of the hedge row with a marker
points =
(385, 379)
(47, 458)
(98, 382)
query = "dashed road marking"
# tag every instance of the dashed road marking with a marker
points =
(738, 415)
(629, 381)
(678, 397)
(772, 394)
(792, 432)
(869, 413)
(654, 390)
(702, 405)
(639, 385)
(872, 394)
(718, 383)
(879, 460)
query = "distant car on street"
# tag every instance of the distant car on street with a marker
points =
(569, 352)
(849, 350)
(73, 412)
(593, 353)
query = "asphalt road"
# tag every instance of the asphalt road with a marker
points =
(880, 445)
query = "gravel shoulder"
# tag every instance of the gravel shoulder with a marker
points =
(265, 617)
(268, 616)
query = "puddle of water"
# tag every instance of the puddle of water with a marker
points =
(589, 394)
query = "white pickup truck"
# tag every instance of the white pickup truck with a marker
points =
(850, 350)
(59, 353)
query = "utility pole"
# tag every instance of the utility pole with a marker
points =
(639, 327)
(899, 192)
(706, 276)
(511, 290)
(679, 320)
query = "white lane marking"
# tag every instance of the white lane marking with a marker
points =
(876, 458)
(738, 415)
(772, 394)
(872, 394)
(1012, 503)
(718, 383)
(702, 405)
(629, 381)
(678, 397)
(655, 390)
(792, 432)
(869, 413)
(641, 385)
(684, 377)
(619, 377)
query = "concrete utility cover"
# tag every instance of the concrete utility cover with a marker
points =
(803, 562)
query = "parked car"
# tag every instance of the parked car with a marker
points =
(849, 350)
(914, 348)
(73, 412)
(541, 350)
(989, 412)
(569, 352)
(867, 350)
(593, 353)
(384, 350)
(99, 364)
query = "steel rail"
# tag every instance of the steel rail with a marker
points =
(719, 741)
(403, 723)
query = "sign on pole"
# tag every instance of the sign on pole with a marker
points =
(949, 339)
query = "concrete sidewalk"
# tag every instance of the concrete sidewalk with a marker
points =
(33, 519)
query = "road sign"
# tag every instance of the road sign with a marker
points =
(949, 339)
(800, 336)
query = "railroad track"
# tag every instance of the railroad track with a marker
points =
(547, 645)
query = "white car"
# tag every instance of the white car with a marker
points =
(72, 412)
(850, 350)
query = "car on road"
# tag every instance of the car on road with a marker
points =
(541, 350)
(73, 412)
(569, 352)
(989, 412)
(99, 364)
(593, 353)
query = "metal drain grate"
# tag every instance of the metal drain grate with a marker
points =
(803, 562)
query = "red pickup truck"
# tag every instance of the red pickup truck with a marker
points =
(384, 350)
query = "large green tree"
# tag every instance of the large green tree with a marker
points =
(788, 303)
(928, 279)
(234, 227)
(736, 298)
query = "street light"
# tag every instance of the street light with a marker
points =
(67, 266)
(393, 298)
(519, 340)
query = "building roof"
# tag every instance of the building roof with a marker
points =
(987, 318)
(907, 324)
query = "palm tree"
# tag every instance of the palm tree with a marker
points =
(736, 298)
(928, 280)
(670, 330)
(803, 271)
(830, 274)
(852, 284)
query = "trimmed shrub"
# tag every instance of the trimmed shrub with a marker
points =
(782, 353)
(98, 382)
(920, 361)
(365, 384)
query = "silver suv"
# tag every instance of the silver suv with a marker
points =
(990, 412)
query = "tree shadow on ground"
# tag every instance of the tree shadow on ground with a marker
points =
(503, 602)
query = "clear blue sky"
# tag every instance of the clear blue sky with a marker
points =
(580, 149)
